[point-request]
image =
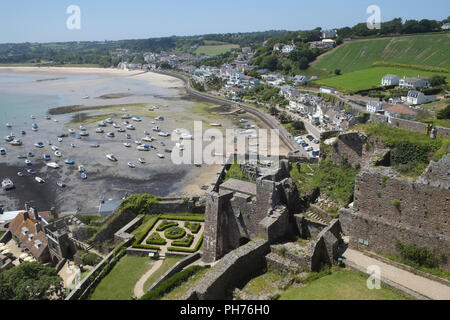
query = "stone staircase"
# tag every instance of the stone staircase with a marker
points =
(314, 216)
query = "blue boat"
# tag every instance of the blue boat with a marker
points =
(84, 176)
(168, 151)
(69, 161)
(78, 137)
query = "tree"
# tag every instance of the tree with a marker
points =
(437, 80)
(338, 72)
(298, 125)
(273, 111)
(29, 281)
(444, 113)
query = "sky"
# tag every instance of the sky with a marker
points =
(45, 20)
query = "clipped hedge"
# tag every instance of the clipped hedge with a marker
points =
(185, 242)
(155, 238)
(141, 237)
(194, 227)
(193, 250)
(174, 233)
(171, 283)
(147, 247)
(166, 225)
(196, 218)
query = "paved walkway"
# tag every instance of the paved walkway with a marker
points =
(139, 286)
(426, 287)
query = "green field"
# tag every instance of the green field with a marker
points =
(215, 49)
(341, 285)
(371, 77)
(426, 50)
(119, 283)
(168, 263)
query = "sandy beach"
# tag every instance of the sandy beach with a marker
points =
(106, 179)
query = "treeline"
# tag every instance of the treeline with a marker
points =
(395, 26)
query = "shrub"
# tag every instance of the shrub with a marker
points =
(444, 113)
(155, 238)
(419, 256)
(185, 242)
(396, 203)
(139, 203)
(193, 226)
(141, 237)
(193, 250)
(175, 233)
(91, 259)
(166, 225)
(171, 283)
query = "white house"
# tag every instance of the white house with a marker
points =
(329, 34)
(289, 48)
(416, 97)
(413, 83)
(374, 106)
(235, 78)
(390, 80)
(289, 92)
(446, 26)
(300, 79)
(327, 90)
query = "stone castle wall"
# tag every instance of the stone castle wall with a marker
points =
(389, 209)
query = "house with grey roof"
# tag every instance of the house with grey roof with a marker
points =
(390, 80)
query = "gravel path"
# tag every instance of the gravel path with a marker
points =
(421, 285)
(139, 287)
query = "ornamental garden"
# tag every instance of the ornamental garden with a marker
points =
(176, 234)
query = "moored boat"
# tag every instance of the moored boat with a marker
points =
(111, 157)
(7, 184)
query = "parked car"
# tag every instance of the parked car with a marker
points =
(315, 153)
(309, 148)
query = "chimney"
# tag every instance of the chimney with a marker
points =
(38, 227)
(26, 216)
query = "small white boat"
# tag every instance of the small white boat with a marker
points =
(2, 152)
(60, 139)
(110, 134)
(81, 169)
(55, 148)
(55, 120)
(215, 124)
(72, 145)
(39, 145)
(186, 136)
(61, 184)
(163, 134)
(111, 157)
(33, 117)
(156, 129)
(143, 147)
(16, 142)
(160, 118)
(58, 154)
(71, 131)
(86, 97)
(95, 145)
(28, 162)
(53, 165)
(243, 121)
(131, 127)
(147, 139)
(84, 133)
(177, 131)
(40, 180)
(102, 124)
(141, 160)
(137, 119)
(127, 116)
(99, 130)
(8, 125)
(161, 156)
(34, 127)
(83, 128)
(9, 138)
(127, 145)
(115, 125)
(109, 120)
(131, 165)
(138, 142)
(7, 184)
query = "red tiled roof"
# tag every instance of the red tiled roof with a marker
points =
(27, 220)
(401, 109)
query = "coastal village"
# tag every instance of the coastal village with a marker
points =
(363, 182)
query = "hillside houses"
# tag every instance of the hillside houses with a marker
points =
(390, 80)
(324, 44)
(416, 97)
(414, 83)
(329, 34)
(400, 111)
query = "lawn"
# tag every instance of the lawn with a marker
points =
(425, 50)
(371, 77)
(437, 105)
(168, 263)
(341, 285)
(179, 291)
(119, 283)
(215, 49)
